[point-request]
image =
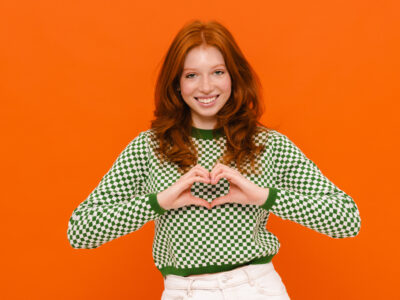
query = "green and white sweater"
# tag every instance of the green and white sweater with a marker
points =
(194, 240)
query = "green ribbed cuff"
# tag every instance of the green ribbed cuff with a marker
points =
(272, 195)
(155, 205)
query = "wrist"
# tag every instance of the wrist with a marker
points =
(264, 197)
(160, 200)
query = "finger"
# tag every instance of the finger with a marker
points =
(197, 169)
(199, 202)
(219, 168)
(186, 183)
(214, 173)
(219, 201)
(231, 177)
(194, 179)
(200, 170)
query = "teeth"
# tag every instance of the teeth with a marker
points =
(207, 100)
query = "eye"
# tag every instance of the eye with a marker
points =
(189, 75)
(222, 72)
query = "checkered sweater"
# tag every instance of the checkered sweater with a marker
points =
(194, 240)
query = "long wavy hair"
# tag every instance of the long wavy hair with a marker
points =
(239, 116)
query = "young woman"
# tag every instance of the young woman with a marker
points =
(209, 173)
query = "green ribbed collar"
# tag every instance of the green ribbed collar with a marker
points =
(207, 134)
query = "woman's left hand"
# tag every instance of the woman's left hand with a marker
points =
(241, 190)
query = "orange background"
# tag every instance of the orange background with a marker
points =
(77, 82)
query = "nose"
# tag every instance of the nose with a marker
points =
(206, 85)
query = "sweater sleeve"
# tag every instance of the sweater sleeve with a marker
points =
(118, 205)
(304, 195)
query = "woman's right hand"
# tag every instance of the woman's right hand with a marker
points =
(178, 194)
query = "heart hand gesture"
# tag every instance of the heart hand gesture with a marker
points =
(241, 190)
(179, 194)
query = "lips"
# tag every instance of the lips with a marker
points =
(206, 100)
(206, 97)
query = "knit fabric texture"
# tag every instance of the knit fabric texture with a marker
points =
(193, 239)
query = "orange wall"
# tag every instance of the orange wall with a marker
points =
(77, 80)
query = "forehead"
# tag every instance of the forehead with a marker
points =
(203, 56)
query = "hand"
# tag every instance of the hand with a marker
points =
(178, 194)
(241, 190)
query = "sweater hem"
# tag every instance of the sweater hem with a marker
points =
(212, 269)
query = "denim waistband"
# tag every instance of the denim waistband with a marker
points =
(219, 280)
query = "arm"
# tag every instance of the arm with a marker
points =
(304, 195)
(118, 205)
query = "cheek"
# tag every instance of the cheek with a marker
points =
(226, 85)
(187, 89)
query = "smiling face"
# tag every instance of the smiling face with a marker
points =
(205, 85)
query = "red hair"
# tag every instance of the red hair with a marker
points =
(239, 116)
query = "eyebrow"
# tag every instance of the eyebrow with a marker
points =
(223, 65)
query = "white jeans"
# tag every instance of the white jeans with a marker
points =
(250, 282)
